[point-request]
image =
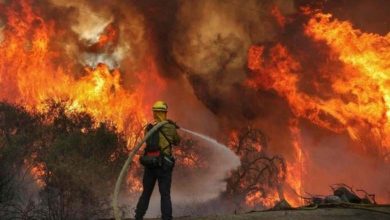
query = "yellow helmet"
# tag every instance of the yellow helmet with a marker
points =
(160, 106)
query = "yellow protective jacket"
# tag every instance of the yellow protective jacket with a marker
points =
(168, 136)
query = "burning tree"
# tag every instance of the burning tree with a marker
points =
(258, 181)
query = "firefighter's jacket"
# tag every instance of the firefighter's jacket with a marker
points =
(168, 136)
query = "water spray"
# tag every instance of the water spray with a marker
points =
(126, 166)
(204, 137)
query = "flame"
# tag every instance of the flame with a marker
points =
(37, 172)
(261, 179)
(107, 39)
(33, 69)
(29, 74)
(110, 35)
(364, 77)
(255, 198)
(280, 19)
(282, 75)
(368, 54)
(295, 169)
(100, 93)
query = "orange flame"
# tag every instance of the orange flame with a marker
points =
(107, 39)
(255, 198)
(280, 19)
(110, 35)
(364, 78)
(33, 69)
(29, 74)
(367, 55)
(295, 169)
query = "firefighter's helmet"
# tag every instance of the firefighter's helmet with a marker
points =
(160, 106)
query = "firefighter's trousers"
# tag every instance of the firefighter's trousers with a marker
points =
(163, 176)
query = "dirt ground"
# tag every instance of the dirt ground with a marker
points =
(376, 213)
(330, 213)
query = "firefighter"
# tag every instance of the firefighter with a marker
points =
(158, 162)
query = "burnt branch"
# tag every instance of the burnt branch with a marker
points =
(258, 172)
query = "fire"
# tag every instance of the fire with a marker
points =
(255, 198)
(110, 35)
(281, 20)
(101, 94)
(295, 169)
(29, 74)
(33, 69)
(368, 79)
(37, 172)
(364, 78)
(261, 178)
(280, 76)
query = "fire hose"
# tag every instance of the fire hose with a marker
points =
(126, 167)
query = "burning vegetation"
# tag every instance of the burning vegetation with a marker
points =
(297, 89)
(59, 149)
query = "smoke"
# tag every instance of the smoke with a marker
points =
(333, 157)
(210, 44)
(368, 16)
(90, 22)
